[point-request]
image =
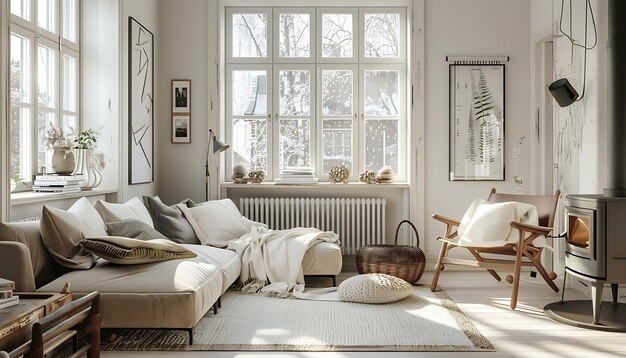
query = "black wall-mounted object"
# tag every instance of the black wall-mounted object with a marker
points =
(563, 92)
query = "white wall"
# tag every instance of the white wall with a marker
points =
(100, 83)
(146, 12)
(183, 55)
(472, 28)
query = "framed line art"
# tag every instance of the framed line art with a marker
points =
(140, 103)
(476, 122)
(181, 128)
(181, 96)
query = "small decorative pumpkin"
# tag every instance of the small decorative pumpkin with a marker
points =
(339, 174)
(368, 177)
(256, 176)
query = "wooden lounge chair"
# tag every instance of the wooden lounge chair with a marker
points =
(524, 248)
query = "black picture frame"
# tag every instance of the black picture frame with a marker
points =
(140, 103)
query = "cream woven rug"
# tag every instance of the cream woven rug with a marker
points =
(425, 321)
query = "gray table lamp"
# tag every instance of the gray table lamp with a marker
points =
(218, 147)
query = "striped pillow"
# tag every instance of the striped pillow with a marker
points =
(126, 251)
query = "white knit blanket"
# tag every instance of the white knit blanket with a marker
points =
(489, 225)
(275, 256)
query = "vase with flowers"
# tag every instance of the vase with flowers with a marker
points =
(60, 143)
(88, 164)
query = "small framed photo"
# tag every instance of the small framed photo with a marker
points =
(181, 96)
(181, 128)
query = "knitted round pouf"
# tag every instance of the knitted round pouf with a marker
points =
(374, 288)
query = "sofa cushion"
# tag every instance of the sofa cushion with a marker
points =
(173, 294)
(61, 234)
(134, 229)
(170, 221)
(323, 258)
(215, 221)
(227, 262)
(91, 222)
(132, 209)
(127, 251)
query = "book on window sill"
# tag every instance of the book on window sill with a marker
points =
(59, 177)
(297, 176)
(8, 302)
(6, 285)
(75, 189)
(56, 183)
(296, 181)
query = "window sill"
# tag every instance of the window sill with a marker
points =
(29, 197)
(320, 185)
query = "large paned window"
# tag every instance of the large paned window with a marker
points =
(44, 77)
(316, 87)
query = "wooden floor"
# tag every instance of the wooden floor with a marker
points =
(525, 332)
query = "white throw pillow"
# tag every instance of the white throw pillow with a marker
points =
(216, 221)
(374, 288)
(91, 223)
(132, 209)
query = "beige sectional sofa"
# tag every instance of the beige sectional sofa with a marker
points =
(171, 294)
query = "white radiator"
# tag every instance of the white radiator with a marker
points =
(357, 221)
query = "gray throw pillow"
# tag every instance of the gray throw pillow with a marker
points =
(170, 221)
(126, 251)
(134, 229)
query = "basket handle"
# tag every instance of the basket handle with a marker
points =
(414, 230)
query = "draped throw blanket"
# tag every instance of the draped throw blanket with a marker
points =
(489, 225)
(275, 256)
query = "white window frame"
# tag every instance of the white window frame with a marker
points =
(276, 117)
(229, 34)
(355, 35)
(276, 34)
(268, 117)
(402, 48)
(358, 64)
(28, 135)
(53, 40)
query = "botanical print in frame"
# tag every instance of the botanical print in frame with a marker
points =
(140, 103)
(476, 122)
(181, 96)
(181, 128)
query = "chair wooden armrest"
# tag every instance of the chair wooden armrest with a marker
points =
(541, 230)
(446, 220)
(79, 319)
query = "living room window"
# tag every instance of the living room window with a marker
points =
(44, 79)
(316, 87)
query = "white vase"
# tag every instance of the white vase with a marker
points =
(85, 166)
(63, 161)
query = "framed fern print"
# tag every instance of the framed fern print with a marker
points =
(476, 122)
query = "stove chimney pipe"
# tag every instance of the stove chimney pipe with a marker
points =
(616, 123)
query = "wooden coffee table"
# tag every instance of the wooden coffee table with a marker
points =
(15, 321)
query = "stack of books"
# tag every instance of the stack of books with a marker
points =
(7, 298)
(297, 175)
(57, 183)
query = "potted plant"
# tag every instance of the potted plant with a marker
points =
(87, 163)
(63, 161)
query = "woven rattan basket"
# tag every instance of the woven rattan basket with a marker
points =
(404, 261)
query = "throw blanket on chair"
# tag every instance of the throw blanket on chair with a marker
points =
(275, 256)
(489, 225)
